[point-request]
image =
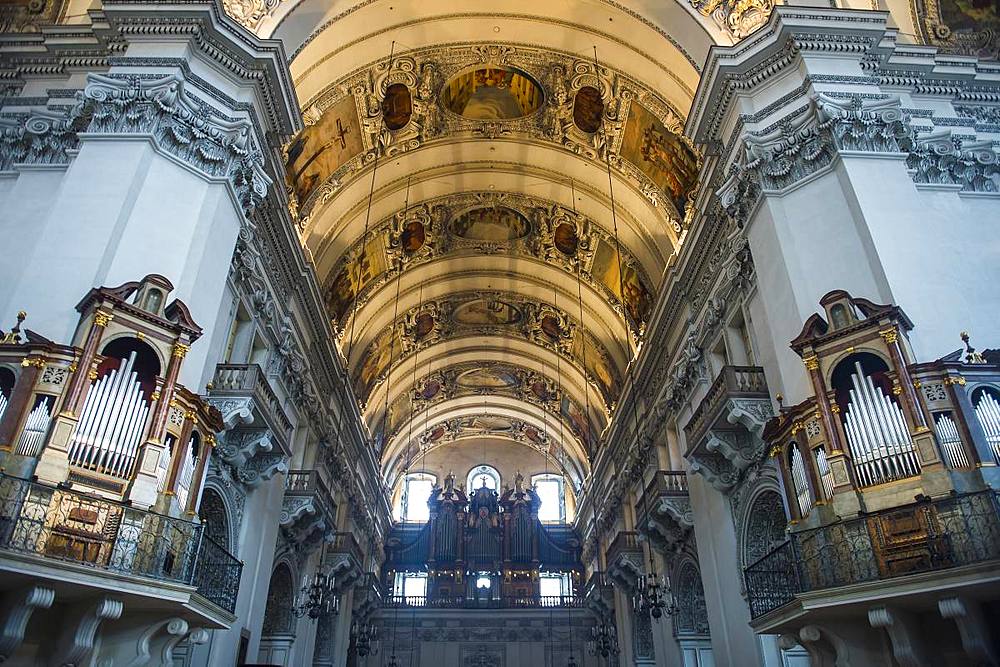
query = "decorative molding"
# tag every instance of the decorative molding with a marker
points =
(41, 137)
(18, 606)
(76, 639)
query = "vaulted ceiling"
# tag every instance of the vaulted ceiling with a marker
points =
(476, 190)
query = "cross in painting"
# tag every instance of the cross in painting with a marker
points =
(341, 133)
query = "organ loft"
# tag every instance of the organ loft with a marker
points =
(372, 333)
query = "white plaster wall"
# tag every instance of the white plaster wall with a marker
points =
(120, 211)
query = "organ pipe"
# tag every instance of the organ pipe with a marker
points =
(951, 443)
(988, 412)
(108, 435)
(876, 430)
(33, 434)
(800, 481)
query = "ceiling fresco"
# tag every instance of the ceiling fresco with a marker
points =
(490, 91)
(478, 223)
(486, 313)
(494, 379)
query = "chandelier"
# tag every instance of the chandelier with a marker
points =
(317, 597)
(603, 640)
(654, 597)
(365, 636)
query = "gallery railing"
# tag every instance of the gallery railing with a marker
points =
(527, 602)
(56, 523)
(953, 531)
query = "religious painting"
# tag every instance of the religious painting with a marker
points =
(605, 269)
(399, 412)
(353, 277)
(588, 109)
(413, 236)
(660, 154)
(397, 107)
(597, 365)
(430, 389)
(322, 148)
(970, 15)
(488, 423)
(578, 421)
(387, 346)
(565, 240)
(550, 327)
(488, 378)
(423, 324)
(486, 312)
(496, 223)
(492, 93)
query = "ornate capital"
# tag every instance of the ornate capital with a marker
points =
(102, 318)
(180, 350)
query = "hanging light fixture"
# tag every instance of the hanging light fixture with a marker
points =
(603, 640)
(365, 637)
(652, 594)
(317, 597)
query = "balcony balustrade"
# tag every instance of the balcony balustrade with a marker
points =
(664, 510)
(308, 512)
(625, 559)
(598, 593)
(723, 434)
(931, 535)
(346, 560)
(58, 524)
(463, 602)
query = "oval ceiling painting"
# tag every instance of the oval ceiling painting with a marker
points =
(496, 223)
(423, 325)
(413, 237)
(492, 93)
(397, 106)
(565, 239)
(588, 109)
(488, 378)
(486, 312)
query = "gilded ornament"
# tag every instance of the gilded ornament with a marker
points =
(889, 335)
(155, 396)
(811, 362)
(102, 318)
(180, 350)
(37, 362)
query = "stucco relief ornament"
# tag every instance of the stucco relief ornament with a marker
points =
(250, 12)
(797, 148)
(938, 158)
(739, 17)
(43, 137)
(858, 124)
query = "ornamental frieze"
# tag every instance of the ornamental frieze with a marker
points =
(481, 313)
(487, 223)
(533, 94)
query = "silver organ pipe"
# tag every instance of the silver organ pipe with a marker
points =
(3, 405)
(186, 475)
(876, 430)
(988, 412)
(950, 441)
(33, 434)
(163, 465)
(800, 481)
(825, 473)
(112, 422)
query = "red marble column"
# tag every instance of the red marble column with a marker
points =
(158, 425)
(80, 381)
(20, 400)
(177, 456)
(908, 393)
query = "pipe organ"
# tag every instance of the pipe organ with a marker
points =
(33, 435)
(484, 534)
(877, 434)
(112, 423)
(988, 412)
(878, 428)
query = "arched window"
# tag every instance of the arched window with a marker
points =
(417, 489)
(278, 611)
(690, 594)
(551, 491)
(765, 526)
(986, 400)
(215, 517)
(483, 475)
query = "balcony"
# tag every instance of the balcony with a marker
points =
(625, 558)
(55, 534)
(664, 510)
(367, 595)
(308, 512)
(258, 439)
(723, 434)
(947, 537)
(346, 559)
(599, 594)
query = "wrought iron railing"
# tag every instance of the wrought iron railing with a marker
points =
(217, 574)
(953, 531)
(57, 523)
(461, 602)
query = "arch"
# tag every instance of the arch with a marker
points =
(483, 475)
(279, 615)
(689, 596)
(873, 363)
(215, 516)
(764, 523)
(148, 358)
